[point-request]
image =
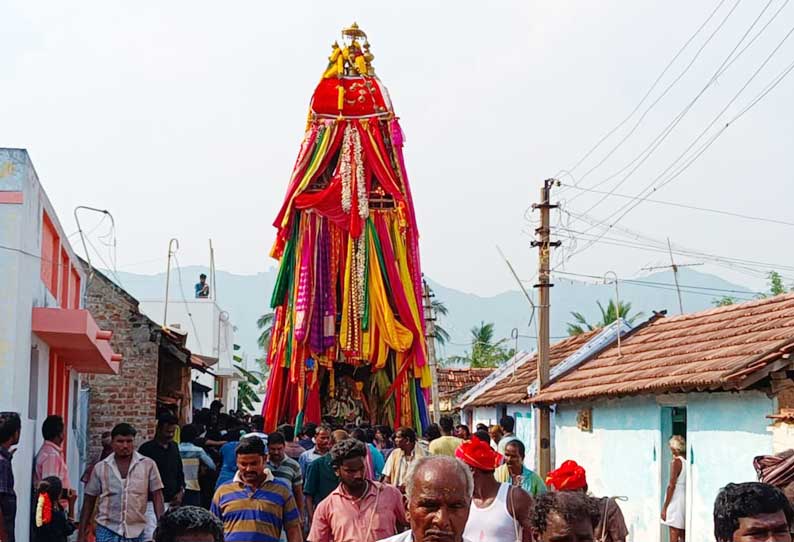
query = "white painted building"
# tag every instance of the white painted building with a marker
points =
(47, 338)
(210, 334)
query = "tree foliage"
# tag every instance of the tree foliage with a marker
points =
(775, 285)
(440, 309)
(608, 315)
(246, 389)
(484, 351)
(724, 301)
(265, 325)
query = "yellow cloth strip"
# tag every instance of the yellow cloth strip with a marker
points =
(390, 331)
(344, 326)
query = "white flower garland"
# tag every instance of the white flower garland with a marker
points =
(361, 182)
(345, 169)
(353, 152)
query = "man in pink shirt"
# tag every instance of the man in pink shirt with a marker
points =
(50, 460)
(358, 510)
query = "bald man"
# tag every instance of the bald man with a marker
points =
(438, 490)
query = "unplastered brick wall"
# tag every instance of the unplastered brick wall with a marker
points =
(130, 396)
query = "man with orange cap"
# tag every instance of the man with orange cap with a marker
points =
(499, 511)
(572, 477)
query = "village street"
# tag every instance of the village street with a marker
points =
(429, 272)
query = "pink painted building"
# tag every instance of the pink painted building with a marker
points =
(47, 337)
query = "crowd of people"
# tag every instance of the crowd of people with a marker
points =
(228, 480)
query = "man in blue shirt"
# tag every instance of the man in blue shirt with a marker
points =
(202, 288)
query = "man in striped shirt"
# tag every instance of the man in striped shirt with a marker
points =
(256, 506)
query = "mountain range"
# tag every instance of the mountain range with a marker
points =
(246, 297)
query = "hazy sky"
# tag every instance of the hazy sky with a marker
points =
(184, 120)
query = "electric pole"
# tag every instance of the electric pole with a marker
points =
(544, 245)
(430, 330)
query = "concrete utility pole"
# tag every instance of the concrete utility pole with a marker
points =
(544, 245)
(430, 330)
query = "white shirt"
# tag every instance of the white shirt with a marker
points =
(407, 536)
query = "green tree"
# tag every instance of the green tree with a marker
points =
(246, 389)
(608, 315)
(265, 325)
(484, 351)
(440, 309)
(724, 301)
(776, 286)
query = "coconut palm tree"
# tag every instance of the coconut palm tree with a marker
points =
(265, 324)
(439, 308)
(608, 315)
(484, 351)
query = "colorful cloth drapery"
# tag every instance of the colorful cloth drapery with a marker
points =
(348, 335)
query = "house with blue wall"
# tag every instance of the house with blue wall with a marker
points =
(504, 392)
(720, 378)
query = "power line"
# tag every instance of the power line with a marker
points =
(629, 206)
(666, 284)
(645, 97)
(711, 292)
(656, 143)
(683, 206)
(107, 266)
(740, 262)
(659, 139)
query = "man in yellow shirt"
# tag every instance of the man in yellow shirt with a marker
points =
(446, 444)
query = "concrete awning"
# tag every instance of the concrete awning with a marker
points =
(75, 337)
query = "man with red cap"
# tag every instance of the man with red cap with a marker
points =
(572, 477)
(499, 511)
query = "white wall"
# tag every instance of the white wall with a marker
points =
(725, 431)
(623, 454)
(621, 457)
(21, 289)
(201, 319)
(486, 415)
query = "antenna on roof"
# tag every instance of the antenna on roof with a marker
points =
(617, 305)
(520, 284)
(674, 267)
(82, 238)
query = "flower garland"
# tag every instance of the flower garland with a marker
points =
(43, 510)
(361, 181)
(352, 152)
(345, 168)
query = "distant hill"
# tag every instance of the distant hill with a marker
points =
(246, 297)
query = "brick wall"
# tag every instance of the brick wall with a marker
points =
(130, 396)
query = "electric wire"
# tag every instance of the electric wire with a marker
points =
(656, 143)
(629, 206)
(684, 206)
(667, 285)
(645, 97)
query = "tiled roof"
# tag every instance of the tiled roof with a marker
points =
(723, 348)
(513, 388)
(451, 382)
